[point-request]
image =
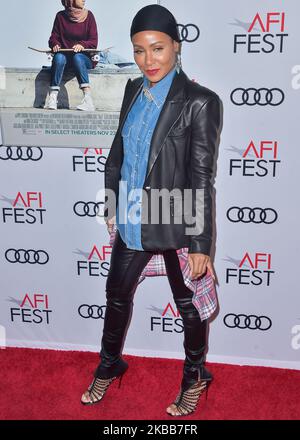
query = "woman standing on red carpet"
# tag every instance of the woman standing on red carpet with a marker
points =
(166, 140)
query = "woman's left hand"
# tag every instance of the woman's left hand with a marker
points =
(77, 48)
(199, 263)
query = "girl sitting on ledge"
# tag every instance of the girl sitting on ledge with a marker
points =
(74, 28)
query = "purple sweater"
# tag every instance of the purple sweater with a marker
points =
(66, 33)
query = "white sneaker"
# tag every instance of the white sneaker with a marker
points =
(52, 102)
(87, 104)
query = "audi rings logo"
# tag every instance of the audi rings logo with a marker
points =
(251, 322)
(21, 153)
(30, 256)
(257, 215)
(89, 209)
(262, 96)
(95, 312)
(188, 32)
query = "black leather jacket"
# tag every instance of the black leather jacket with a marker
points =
(181, 156)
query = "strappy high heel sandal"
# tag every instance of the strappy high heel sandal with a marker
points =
(100, 385)
(98, 388)
(186, 401)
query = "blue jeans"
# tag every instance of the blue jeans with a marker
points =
(79, 62)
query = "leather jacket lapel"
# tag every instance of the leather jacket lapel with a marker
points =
(172, 109)
(131, 98)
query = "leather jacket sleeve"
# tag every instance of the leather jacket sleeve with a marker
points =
(205, 128)
(113, 166)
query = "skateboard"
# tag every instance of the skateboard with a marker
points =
(94, 52)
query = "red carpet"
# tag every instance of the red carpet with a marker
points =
(46, 384)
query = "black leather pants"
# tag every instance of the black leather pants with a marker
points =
(126, 266)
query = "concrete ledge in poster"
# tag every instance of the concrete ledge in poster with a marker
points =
(25, 123)
(28, 88)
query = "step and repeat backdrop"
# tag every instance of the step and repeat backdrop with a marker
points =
(55, 252)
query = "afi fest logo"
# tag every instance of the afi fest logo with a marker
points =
(253, 270)
(92, 160)
(168, 321)
(95, 263)
(266, 33)
(33, 309)
(257, 159)
(26, 208)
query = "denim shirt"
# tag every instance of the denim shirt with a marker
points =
(137, 134)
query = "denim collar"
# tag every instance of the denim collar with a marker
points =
(159, 91)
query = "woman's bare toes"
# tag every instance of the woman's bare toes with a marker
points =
(85, 397)
(172, 409)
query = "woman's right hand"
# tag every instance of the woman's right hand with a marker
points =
(110, 224)
(56, 48)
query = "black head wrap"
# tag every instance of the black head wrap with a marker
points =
(155, 18)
